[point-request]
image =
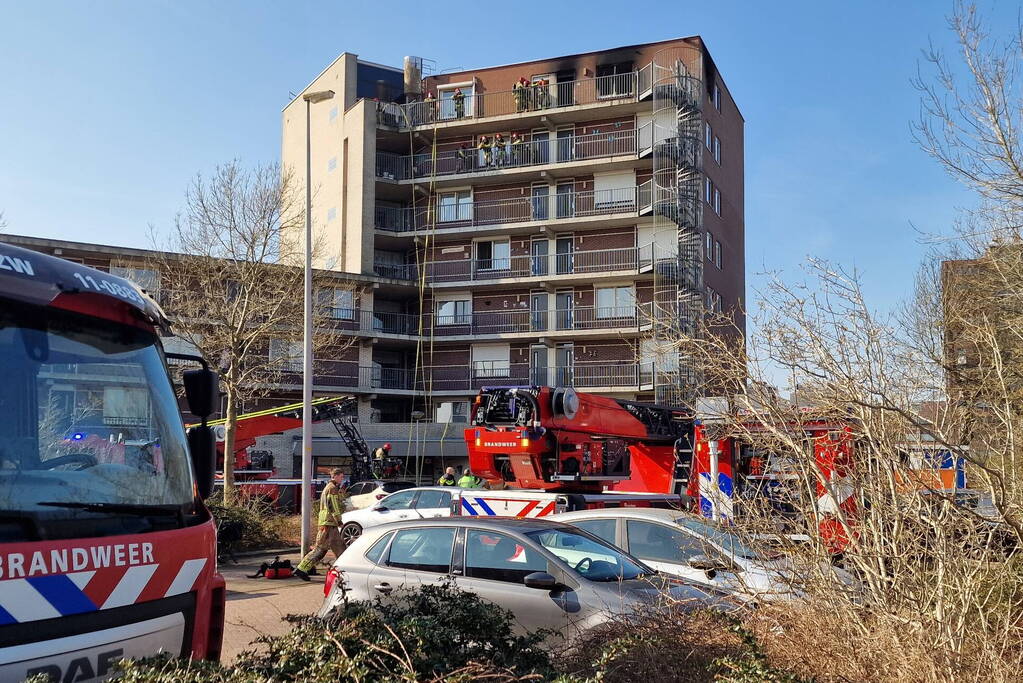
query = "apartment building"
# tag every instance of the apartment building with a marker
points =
(558, 221)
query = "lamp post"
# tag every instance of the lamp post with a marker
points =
(307, 327)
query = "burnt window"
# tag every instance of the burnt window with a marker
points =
(614, 80)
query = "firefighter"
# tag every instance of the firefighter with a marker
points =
(500, 150)
(519, 94)
(518, 146)
(379, 458)
(486, 147)
(328, 537)
(459, 99)
(448, 478)
(468, 480)
(464, 158)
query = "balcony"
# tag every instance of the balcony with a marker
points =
(617, 376)
(627, 260)
(629, 142)
(545, 322)
(599, 91)
(626, 201)
(610, 376)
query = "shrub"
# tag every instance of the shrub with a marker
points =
(246, 524)
(436, 633)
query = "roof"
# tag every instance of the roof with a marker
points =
(659, 514)
(577, 54)
(36, 278)
(516, 524)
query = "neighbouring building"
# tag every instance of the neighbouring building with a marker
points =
(558, 221)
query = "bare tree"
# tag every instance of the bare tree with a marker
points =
(226, 282)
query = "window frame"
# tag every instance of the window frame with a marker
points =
(717, 254)
(708, 134)
(717, 149)
(496, 263)
(466, 570)
(456, 318)
(460, 207)
(717, 201)
(617, 309)
(429, 569)
(716, 96)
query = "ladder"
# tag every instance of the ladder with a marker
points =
(345, 417)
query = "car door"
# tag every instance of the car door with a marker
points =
(394, 508)
(433, 503)
(415, 557)
(669, 549)
(494, 565)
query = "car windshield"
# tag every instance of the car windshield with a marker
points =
(91, 426)
(589, 557)
(726, 540)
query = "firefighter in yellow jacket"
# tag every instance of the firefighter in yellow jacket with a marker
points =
(328, 537)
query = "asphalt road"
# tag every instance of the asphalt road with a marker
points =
(256, 607)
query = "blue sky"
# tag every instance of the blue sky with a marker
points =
(109, 108)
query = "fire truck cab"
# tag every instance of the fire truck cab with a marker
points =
(107, 550)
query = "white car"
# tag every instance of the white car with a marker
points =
(407, 504)
(365, 494)
(693, 548)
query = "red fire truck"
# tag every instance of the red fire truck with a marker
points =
(106, 548)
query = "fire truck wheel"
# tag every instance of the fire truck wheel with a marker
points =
(350, 532)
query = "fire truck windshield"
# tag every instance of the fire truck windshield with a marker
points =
(89, 426)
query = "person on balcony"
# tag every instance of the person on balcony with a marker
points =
(430, 108)
(518, 148)
(519, 94)
(459, 100)
(500, 151)
(486, 148)
(464, 158)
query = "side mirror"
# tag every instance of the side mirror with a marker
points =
(202, 445)
(707, 564)
(202, 391)
(541, 581)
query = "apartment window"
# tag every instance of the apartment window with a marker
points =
(452, 411)
(331, 213)
(493, 255)
(146, 278)
(717, 254)
(708, 135)
(615, 302)
(455, 312)
(717, 149)
(713, 301)
(614, 80)
(708, 246)
(336, 303)
(716, 96)
(455, 206)
(287, 354)
(331, 164)
(491, 360)
(333, 114)
(717, 201)
(449, 106)
(708, 188)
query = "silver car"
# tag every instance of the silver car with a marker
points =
(548, 574)
(702, 552)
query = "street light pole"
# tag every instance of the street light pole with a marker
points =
(307, 328)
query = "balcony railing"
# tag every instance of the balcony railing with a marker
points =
(538, 207)
(469, 378)
(615, 89)
(582, 375)
(578, 318)
(476, 323)
(447, 162)
(628, 259)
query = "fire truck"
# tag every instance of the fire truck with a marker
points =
(564, 441)
(107, 550)
(556, 440)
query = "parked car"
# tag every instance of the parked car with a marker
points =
(364, 494)
(548, 574)
(409, 503)
(699, 551)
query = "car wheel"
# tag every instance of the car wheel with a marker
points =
(350, 532)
